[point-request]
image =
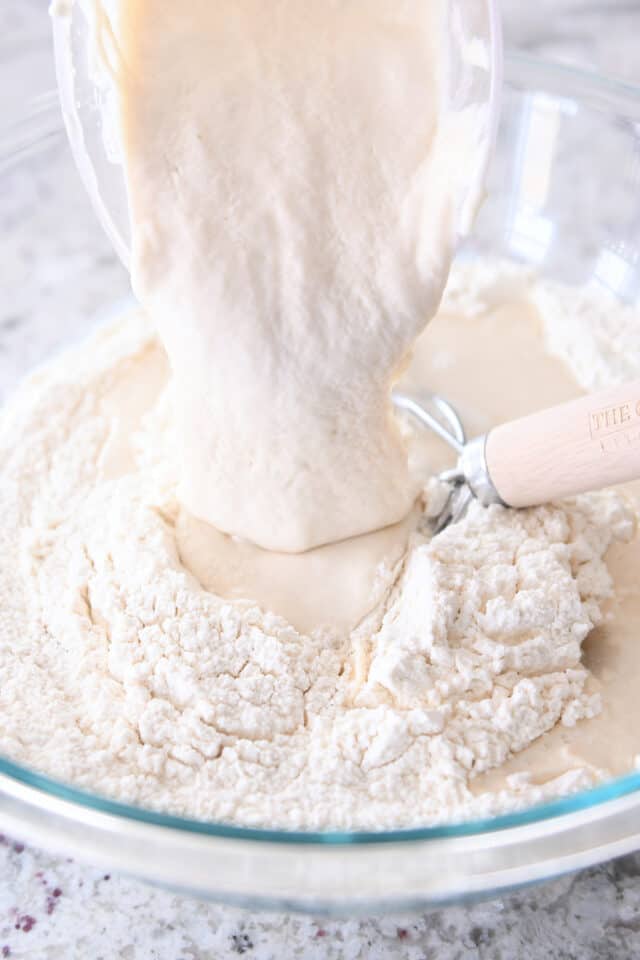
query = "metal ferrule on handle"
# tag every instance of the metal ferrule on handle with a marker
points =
(473, 466)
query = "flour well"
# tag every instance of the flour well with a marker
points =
(161, 692)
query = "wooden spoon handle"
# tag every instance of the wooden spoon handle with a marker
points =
(582, 445)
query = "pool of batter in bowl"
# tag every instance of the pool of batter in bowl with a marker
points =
(387, 680)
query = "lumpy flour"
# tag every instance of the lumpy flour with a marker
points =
(123, 673)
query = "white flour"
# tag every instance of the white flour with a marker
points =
(120, 673)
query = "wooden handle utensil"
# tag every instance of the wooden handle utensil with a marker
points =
(582, 445)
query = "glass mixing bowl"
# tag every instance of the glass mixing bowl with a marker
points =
(563, 194)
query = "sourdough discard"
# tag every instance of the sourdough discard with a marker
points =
(294, 173)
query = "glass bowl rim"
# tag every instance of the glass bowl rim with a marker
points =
(42, 120)
(590, 87)
(611, 790)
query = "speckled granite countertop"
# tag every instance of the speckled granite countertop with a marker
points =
(55, 908)
(52, 909)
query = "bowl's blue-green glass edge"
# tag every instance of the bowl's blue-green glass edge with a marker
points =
(611, 790)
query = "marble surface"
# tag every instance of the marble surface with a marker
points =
(52, 909)
(56, 272)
